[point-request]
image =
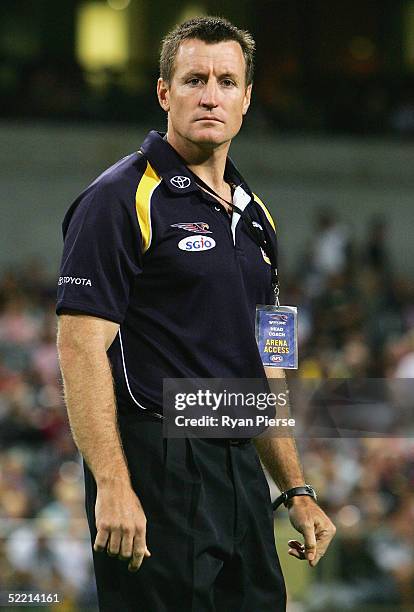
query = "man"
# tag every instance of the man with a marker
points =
(160, 279)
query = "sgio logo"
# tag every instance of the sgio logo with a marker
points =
(197, 243)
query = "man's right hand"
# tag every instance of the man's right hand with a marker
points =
(120, 523)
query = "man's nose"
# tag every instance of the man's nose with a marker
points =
(209, 96)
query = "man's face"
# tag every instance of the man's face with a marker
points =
(207, 96)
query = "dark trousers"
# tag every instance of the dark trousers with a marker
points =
(209, 528)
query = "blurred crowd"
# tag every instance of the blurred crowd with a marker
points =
(356, 322)
(48, 89)
(356, 309)
(44, 543)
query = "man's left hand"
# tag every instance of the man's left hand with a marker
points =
(317, 529)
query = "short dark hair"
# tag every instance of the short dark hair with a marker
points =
(210, 30)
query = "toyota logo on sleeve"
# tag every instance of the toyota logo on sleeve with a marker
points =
(182, 182)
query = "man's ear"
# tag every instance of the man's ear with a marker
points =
(247, 97)
(163, 93)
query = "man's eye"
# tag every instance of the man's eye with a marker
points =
(227, 83)
(194, 81)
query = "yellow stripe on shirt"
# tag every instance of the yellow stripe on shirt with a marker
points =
(266, 212)
(146, 187)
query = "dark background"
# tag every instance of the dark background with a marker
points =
(322, 67)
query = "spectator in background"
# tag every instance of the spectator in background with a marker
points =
(376, 254)
(405, 349)
(327, 255)
(331, 245)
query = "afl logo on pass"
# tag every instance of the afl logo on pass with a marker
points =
(197, 243)
(275, 358)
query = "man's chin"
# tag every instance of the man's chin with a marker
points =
(209, 138)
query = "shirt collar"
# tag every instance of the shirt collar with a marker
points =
(171, 167)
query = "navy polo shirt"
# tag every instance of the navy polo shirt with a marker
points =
(146, 247)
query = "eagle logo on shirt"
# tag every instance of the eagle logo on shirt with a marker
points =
(198, 227)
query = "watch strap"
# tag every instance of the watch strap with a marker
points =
(293, 492)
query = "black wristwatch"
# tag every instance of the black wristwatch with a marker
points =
(287, 495)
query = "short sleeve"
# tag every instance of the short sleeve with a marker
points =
(102, 253)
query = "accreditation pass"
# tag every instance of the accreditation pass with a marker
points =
(277, 335)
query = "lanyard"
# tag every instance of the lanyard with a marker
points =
(262, 239)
